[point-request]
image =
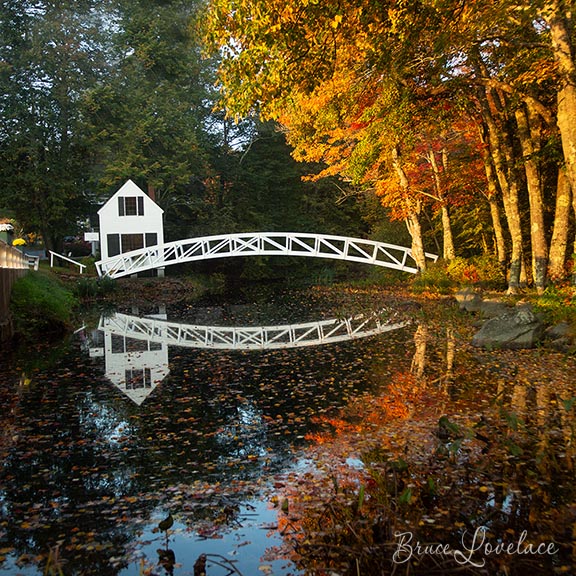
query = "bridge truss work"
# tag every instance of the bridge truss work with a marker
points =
(260, 244)
(250, 337)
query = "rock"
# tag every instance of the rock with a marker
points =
(468, 300)
(562, 330)
(561, 337)
(518, 328)
(493, 308)
(562, 344)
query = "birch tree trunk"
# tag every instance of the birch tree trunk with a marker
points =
(558, 16)
(502, 155)
(559, 242)
(492, 197)
(415, 231)
(574, 246)
(529, 134)
(449, 252)
(414, 211)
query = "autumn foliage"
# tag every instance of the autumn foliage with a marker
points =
(436, 107)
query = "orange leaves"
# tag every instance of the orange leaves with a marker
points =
(366, 413)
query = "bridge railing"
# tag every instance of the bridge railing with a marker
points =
(252, 337)
(66, 258)
(261, 244)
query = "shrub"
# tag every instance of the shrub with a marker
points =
(442, 276)
(481, 270)
(41, 305)
(88, 288)
(434, 279)
(456, 269)
(90, 263)
(490, 273)
(557, 305)
(107, 285)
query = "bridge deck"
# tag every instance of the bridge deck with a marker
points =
(261, 244)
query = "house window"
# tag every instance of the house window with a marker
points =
(125, 344)
(118, 345)
(113, 244)
(132, 242)
(131, 205)
(136, 379)
(136, 345)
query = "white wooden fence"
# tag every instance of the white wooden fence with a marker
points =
(13, 265)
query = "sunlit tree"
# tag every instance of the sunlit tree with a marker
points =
(324, 69)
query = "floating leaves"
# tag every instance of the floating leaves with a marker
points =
(374, 425)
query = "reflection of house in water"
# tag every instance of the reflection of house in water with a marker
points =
(136, 366)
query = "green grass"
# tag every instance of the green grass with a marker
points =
(557, 304)
(41, 305)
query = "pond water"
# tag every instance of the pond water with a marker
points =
(198, 411)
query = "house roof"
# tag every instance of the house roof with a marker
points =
(129, 188)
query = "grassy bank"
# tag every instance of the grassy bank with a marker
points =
(42, 306)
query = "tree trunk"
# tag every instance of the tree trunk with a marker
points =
(558, 20)
(414, 210)
(415, 230)
(574, 247)
(529, 135)
(502, 156)
(449, 252)
(500, 243)
(492, 196)
(559, 242)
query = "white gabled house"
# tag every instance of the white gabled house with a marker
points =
(128, 221)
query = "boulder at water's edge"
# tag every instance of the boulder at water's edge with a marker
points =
(519, 328)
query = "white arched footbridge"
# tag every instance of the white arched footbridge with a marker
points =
(250, 337)
(260, 244)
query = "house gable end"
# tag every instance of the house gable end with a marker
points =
(129, 189)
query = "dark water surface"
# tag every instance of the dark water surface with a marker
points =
(104, 435)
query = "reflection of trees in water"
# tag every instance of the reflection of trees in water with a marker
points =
(419, 358)
(538, 429)
(504, 460)
(63, 486)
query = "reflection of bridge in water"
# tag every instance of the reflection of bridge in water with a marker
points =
(250, 337)
(261, 244)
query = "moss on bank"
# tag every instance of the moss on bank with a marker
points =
(41, 306)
